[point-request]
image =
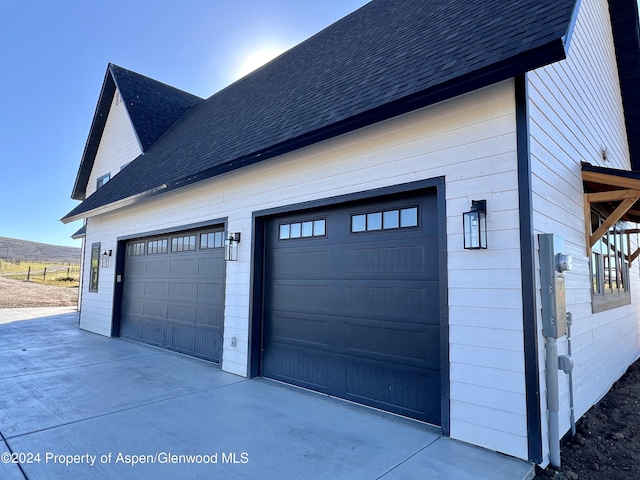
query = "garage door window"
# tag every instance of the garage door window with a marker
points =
(385, 220)
(211, 240)
(135, 249)
(183, 244)
(157, 246)
(309, 228)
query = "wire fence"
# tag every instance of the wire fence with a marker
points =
(41, 274)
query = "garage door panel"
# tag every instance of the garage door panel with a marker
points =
(382, 260)
(156, 311)
(356, 314)
(175, 299)
(156, 269)
(158, 290)
(300, 263)
(153, 332)
(211, 293)
(299, 366)
(211, 267)
(183, 267)
(397, 391)
(299, 296)
(212, 317)
(181, 291)
(393, 344)
(300, 329)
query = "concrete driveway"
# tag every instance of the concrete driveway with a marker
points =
(78, 405)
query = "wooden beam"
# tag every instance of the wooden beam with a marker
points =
(615, 180)
(587, 223)
(634, 255)
(612, 195)
(610, 221)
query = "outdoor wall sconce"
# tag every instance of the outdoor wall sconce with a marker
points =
(104, 258)
(231, 247)
(475, 225)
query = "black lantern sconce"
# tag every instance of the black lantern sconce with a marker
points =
(104, 258)
(231, 247)
(475, 225)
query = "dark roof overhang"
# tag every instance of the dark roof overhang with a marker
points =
(153, 107)
(95, 136)
(626, 35)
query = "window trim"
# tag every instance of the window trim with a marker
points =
(102, 180)
(94, 267)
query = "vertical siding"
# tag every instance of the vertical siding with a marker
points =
(576, 110)
(118, 145)
(470, 141)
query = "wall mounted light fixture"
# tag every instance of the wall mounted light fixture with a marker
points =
(231, 247)
(104, 258)
(475, 225)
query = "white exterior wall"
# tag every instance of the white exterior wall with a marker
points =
(471, 141)
(576, 109)
(119, 144)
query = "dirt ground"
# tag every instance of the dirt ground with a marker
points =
(607, 443)
(19, 294)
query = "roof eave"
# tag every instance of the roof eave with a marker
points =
(95, 135)
(507, 68)
(626, 36)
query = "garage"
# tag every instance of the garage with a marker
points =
(173, 292)
(352, 301)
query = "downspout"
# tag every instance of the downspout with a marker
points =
(528, 278)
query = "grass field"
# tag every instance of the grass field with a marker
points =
(62, 274)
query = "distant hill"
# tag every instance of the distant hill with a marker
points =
(14, 249)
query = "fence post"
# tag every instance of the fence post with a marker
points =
(29, 274)
(44, 275)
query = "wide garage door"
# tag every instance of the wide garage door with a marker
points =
(173, 293)
(351, 304)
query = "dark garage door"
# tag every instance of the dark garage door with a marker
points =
(351, 305)
(173, 293)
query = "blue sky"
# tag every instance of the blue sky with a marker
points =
(54, 55)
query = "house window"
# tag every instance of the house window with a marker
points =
(385, 220)
(94, 267)
(157, 246)
(102, 180)
(183, 243)
(310, 228)
(211, 240)
(609, 267)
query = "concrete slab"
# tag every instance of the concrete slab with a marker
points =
(8, 469)
(8, 315)
(90, 406)
(449, 459)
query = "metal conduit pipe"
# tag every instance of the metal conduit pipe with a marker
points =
(553, 402)
(570, 373)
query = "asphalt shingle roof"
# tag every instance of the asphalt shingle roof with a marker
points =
(153, 108)
(386, 58)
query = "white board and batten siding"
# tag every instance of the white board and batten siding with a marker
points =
(576, 109)
(119, 144)
(471, 141)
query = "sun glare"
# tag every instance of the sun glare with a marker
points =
(257, 59)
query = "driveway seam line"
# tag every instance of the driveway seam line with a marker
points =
(408, 458)
(4, 440)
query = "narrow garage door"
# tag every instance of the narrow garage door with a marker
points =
(351, 304)
(173, 293)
